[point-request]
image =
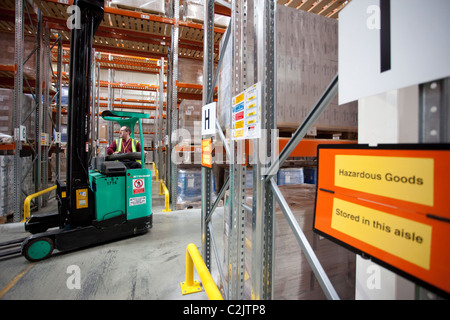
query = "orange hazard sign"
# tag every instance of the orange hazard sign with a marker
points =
(391, 203)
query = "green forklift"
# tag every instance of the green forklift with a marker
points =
(95, 204)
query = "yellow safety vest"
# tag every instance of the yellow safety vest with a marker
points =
(133, 147)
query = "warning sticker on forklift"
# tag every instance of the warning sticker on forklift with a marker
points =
(138, 201)
(138, 186)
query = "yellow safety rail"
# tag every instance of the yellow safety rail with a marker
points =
(27, 203)
(193, 258)
(163, 190)
(156, 172)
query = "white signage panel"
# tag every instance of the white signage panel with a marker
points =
(386, 45)
(209, 119)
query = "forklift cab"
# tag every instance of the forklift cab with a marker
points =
(118, 191)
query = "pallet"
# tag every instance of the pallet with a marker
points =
(194, 205)
(199, 21)
(140, 10)
(8, 218)
(189, 205)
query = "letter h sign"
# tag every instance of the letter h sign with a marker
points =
(209, 119)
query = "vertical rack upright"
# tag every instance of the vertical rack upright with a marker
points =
(22, 15)
(171, 108)
(18, 89)
(208, 90)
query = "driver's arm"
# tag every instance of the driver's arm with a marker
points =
(112, 148)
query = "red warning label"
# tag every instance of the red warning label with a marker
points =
(138, 186)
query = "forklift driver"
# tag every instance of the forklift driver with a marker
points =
(124, 145)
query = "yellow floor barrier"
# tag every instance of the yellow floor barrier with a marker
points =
(27, 203)
(193, 258)
(163, 190)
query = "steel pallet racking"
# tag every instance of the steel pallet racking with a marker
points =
(260, 29)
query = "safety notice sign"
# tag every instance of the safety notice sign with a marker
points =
(138, 186)
(391, 203)
(246, 114)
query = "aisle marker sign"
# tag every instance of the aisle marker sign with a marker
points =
(391, 203)
(209, 119)
(391, 44)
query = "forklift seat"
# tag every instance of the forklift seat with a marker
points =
(113, 168)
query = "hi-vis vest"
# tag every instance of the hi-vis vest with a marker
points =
(133, 147)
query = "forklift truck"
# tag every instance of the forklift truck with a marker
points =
(100, 204)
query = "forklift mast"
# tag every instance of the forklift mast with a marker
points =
(76, 198)
(124, 197)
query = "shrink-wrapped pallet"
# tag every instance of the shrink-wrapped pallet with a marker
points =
(290, 176)
(194, 11)
(189, 188)
(190, 71)
(190, 117)
(7, 43)
(7, 113)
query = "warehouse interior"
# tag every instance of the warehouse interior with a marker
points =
(246, 194)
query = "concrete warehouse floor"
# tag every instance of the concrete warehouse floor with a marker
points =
(149, 266)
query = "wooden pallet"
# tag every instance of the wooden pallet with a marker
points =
(140, 10)
(193, 205)
(7, 218)
(189, 205)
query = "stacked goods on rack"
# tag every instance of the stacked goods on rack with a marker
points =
(287, 176)
(7, 42)
(190, 118)
(193, 10)
(189, 190)
(190, 71)
(153, 6)
(7, 112)
(310, 174)
(293, 278)
(306, 62)
(7, 182)
(148, 127)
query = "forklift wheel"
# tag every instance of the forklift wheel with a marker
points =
(38, 249)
